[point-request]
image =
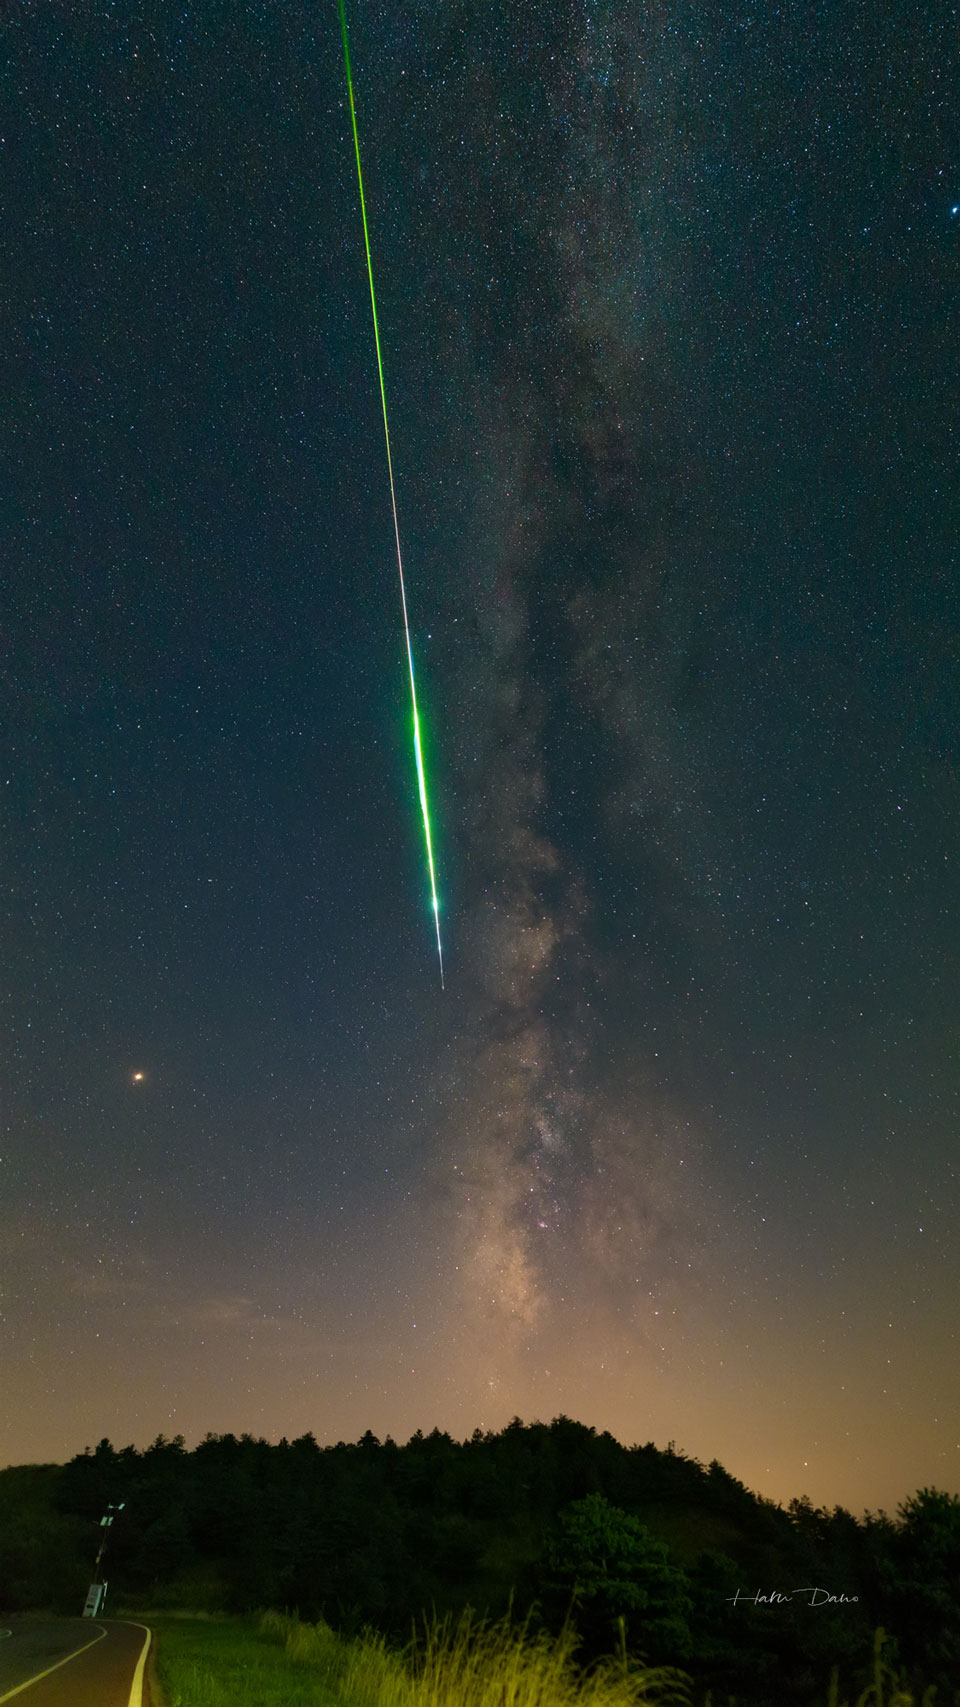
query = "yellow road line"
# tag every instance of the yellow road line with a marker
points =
(136, 1688)
(30, 1680)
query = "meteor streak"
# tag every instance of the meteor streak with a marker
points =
(417, 747)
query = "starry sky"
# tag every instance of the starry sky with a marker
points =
(668, 301)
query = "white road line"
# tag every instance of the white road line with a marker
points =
(36, 1679)
(136, 1688)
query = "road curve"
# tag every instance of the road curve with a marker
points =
(73, 1663)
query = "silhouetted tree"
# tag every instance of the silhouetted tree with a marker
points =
(614, 1568)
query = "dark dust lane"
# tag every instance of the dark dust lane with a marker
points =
(71, 1662)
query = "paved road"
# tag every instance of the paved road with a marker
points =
(71, 1662)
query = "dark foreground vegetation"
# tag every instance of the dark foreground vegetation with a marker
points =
(555, 1518)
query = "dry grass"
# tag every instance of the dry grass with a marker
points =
(466, 1662)
(887, 1687)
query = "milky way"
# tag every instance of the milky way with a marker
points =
(669, 300)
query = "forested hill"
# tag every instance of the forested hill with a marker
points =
(374, 1532)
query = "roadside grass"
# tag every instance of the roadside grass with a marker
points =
(469, 1662)
(278, 1661)
(228, 1662)
(281, 1662)
(887, 1687)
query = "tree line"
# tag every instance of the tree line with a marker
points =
(555, 1517)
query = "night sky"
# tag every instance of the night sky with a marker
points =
(668, 296)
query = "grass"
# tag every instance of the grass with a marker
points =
(228, 1662)
(278, 1661)
(282, 1662)
(887, 1688)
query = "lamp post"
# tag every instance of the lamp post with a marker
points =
(97, 1592)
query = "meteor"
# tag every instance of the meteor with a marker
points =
(417, 745)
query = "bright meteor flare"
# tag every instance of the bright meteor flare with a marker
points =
(417, 748)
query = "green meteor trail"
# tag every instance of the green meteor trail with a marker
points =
(417, 747)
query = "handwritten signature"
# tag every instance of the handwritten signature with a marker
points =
(818, 1597)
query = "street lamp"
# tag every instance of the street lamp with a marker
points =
(97, 1592)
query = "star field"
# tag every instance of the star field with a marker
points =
(668, 304)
